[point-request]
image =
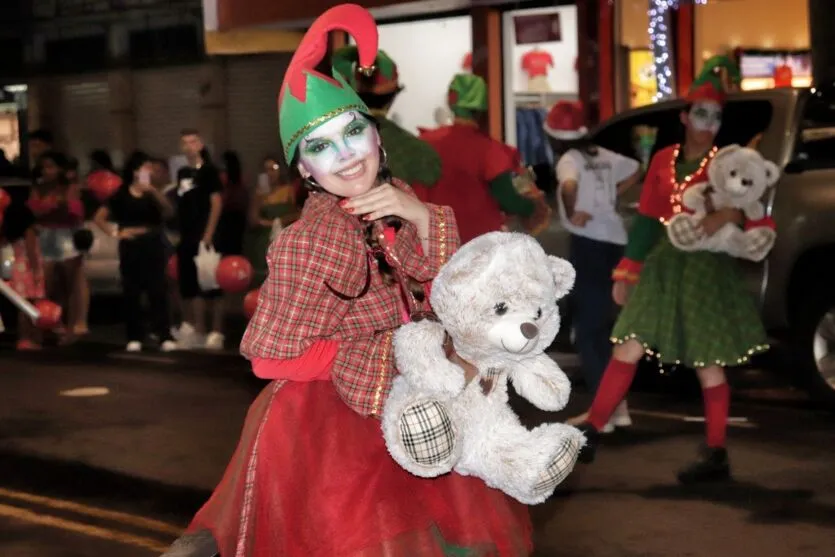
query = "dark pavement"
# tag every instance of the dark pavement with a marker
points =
(121, 473)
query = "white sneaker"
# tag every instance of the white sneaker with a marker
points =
(187, 337)
(134, 346)
(168, 346)
(621, 417)
(214, 341)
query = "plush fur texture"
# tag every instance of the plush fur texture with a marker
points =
(497, 300)
(738, 177)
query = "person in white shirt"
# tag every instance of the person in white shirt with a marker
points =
(590, 179)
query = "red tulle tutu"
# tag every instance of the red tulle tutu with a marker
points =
(312, 478)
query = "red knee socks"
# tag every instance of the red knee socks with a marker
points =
(613, 388)
(717, 404)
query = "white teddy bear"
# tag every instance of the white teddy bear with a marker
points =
(496, 304)
(738, 177)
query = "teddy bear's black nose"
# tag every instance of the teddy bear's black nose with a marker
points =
(529, 330)
(747, 183)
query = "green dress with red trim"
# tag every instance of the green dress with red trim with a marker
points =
(687, 308)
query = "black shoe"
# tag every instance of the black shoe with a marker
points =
(589, 450)
(712, 465)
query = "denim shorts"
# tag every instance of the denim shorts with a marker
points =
(57, 244)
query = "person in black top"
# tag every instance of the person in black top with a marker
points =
(199, 206)
(40, 142)
(135, 214)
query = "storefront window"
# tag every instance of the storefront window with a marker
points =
(428, 53)
(767, 69)
(540, 68)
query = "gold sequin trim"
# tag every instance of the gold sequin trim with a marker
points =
(321, 120)
(744, 359)
(625, 276)
(381, 378)
(442, 233)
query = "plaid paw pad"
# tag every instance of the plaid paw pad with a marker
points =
(427, 434)
(560, 467)
(684, 232)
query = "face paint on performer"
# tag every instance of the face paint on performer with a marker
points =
(705, 118)
(342, 155)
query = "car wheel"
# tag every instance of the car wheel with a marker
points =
(813, 349)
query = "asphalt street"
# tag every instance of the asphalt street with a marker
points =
(102, 453)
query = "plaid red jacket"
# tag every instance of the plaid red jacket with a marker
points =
(322, 254)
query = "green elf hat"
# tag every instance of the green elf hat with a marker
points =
(721, 72)
(467, 93)
(307, 99)
(384, 80)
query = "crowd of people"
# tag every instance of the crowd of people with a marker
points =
(142, 205)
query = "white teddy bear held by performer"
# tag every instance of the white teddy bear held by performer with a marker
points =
(496, 306)
(738, 177)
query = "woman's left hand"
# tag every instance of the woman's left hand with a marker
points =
(387, 200)
(711, 224)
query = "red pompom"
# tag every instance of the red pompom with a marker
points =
(234, 273)
(251, 302)
(50, 314)
(103, 184)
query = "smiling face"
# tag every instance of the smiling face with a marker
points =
(703, 121)
(342, 155)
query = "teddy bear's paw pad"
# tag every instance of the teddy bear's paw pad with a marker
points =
(760, 241)
(560, 467)
(427, 433)
(684, 232)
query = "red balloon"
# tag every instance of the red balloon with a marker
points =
(103, 184)
(251, 302)
(50, 314)
(234, 273)
(171, 268)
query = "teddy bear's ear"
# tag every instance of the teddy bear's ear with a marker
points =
(564, 275)
(772, 173)
(716, 169)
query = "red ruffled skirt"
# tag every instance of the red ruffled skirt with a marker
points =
(312, 478)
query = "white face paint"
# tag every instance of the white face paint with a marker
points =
(342, 155)
(706, 116)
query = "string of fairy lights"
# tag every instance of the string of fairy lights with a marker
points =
(659, 35)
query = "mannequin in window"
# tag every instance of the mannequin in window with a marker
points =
(535, 64)
(783, 73)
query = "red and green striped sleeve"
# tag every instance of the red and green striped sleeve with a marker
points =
(647, 227)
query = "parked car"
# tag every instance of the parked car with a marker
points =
(795, 128)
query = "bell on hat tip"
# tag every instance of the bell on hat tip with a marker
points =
(367, 71)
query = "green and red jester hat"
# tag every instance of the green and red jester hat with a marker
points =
(307, 98)
(382, 81)
(722, 72)
(706, 91)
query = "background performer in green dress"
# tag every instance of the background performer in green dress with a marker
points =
(687, 308)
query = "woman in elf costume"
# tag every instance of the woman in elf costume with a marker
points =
(687, 308)
(481, 170)
(409, 159)
(311, 475)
